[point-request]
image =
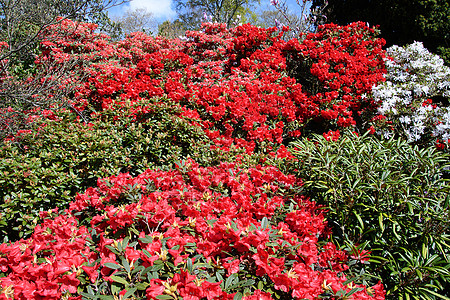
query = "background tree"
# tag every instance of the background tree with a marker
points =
(272, 18)
(172, 29)
(139, 19)
(401, 21)
(192, 12)
(24, 24)
(303, 20)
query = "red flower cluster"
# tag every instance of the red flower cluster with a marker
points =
(204, 232)
(332, 135)
(348, 61)
(238, 81)
(47, 265)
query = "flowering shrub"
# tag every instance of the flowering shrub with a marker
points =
(216, 66)
(216, 233)
(337, 66)
(415, 95)
(226, 224)
(66, 156)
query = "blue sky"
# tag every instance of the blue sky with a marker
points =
(164, 10)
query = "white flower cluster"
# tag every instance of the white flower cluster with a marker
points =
(413, 76)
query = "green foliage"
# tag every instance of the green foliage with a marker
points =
(46, 170)
(401, 22)
(191, 12)
(171, 30)
(387, 196)
(434, 23)
(444, 53)
(20, 63)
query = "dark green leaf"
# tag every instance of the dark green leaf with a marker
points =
(129, 293)
(119, 280)
(112, 266)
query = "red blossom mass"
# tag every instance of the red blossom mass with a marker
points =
(217, 218)
(204, 232)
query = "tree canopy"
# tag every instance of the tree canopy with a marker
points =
(191, 12)
(401, 22)
(139, 19)
(170, 29)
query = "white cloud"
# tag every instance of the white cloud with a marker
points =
(161, 8)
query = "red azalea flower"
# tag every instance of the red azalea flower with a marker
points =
(258, 295)
(211, 289)
(92, 272)
(155, 288)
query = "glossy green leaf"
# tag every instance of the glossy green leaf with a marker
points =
(119, 280)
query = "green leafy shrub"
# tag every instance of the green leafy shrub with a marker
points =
(45, 170)
(387, 196)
